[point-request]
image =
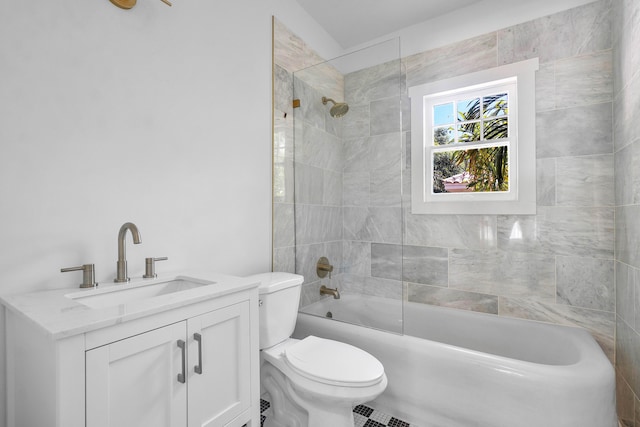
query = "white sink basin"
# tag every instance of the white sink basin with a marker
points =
(124, 294)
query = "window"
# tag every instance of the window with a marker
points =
(475, 143)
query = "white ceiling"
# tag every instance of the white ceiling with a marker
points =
(353, 22)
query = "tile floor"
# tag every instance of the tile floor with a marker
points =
(364, 416)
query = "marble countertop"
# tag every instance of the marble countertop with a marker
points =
(60, 315)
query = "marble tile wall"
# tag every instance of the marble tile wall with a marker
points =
(318, 167)
(292, 54)
(372, 179)
(308, 161)
(337, 189)
(626, 104)
(556, 266)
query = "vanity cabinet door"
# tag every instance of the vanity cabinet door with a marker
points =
(219, 344)
(134, 382)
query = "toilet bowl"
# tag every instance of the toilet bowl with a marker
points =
(313, 382)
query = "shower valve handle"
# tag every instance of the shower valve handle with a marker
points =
(323, 267)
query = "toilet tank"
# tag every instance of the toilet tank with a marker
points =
(279, 300)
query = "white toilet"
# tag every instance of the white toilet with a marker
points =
(312, 382)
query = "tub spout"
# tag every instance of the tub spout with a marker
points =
(329, 291)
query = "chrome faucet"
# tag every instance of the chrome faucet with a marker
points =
(329, 291)
(121, 273)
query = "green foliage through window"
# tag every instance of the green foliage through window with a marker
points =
(483, 120)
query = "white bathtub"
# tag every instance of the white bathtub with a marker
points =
(454, 368)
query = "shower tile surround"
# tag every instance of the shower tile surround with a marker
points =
(308, 208)
(556, 266)
(562, 265)
(626, 106)
(567, 267)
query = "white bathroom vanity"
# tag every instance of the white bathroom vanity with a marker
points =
(173, 351)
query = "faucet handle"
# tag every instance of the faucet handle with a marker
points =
(323, 267)
(150, 267)
(88, 274)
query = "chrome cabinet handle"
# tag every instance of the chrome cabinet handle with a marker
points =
(198, 367)
(181, 377)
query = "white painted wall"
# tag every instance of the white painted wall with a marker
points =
(157, 115)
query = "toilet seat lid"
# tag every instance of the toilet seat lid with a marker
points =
(333, 362)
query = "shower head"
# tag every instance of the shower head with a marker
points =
(338, 110)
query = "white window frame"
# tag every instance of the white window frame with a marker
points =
(521, 198)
